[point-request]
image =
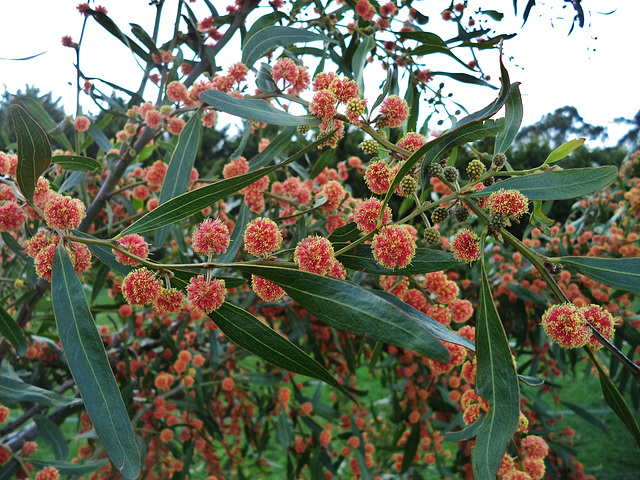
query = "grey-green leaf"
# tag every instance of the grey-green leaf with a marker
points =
(12, 332)
(179, 171)
(497, 383)
(90, 367)
(50, 432)
(77, 162)
(615, 399)
(248, 332)
(424, 261)
(437, 329)
(349, 307)
(622, 273)
(255, 109)
(559, 185)
(13, 391)
(512, 120)
(360, 59)
(34, 151)
(271, 37)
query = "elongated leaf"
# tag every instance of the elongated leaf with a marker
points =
(100, 138)
(235, 242)
(271, 37)
(512, 120)
(12, 332)
(77, 162)
(37, 111)
(72, 180)
(349, 307)
(465, 78)
(262, 23)
(248, 332)
(559, 185)
(616, 400)
(493, 107)
(344, 234)
(589, 417)
(194, 201)
(424, 261)
(68, 468)
(90, 367)
(51, 433)
(13, 391)
(563, 150)
(273, 150)
(622, 273)
(34, 151)
(179, 171)
(435, 327)
(256, 110)
(144, 37)
(360, 59)
(14, 246)
(264, 79)
(430, 43)
(109, 25)
(497, 383)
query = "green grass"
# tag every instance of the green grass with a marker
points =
(605, 456)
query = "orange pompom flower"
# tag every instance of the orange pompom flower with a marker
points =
(11, 216)
(266, 289)
(366, 215)
(602, 320)
(323, 105)
(140, 287)
(62, 212)
(315, 255)
(507, 203)
(566, 325)
(395, 111)
(169, 301)
(135, 245)
(393, 246)
(81, 123)
(206, 295)
(466, 246)
(211, 236)
(262, 237)
(48, 473)
(378, 177)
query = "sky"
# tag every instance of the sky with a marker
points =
(594, 69)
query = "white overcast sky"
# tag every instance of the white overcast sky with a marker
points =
(595, 69)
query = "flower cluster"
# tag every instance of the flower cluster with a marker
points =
(568, 325)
